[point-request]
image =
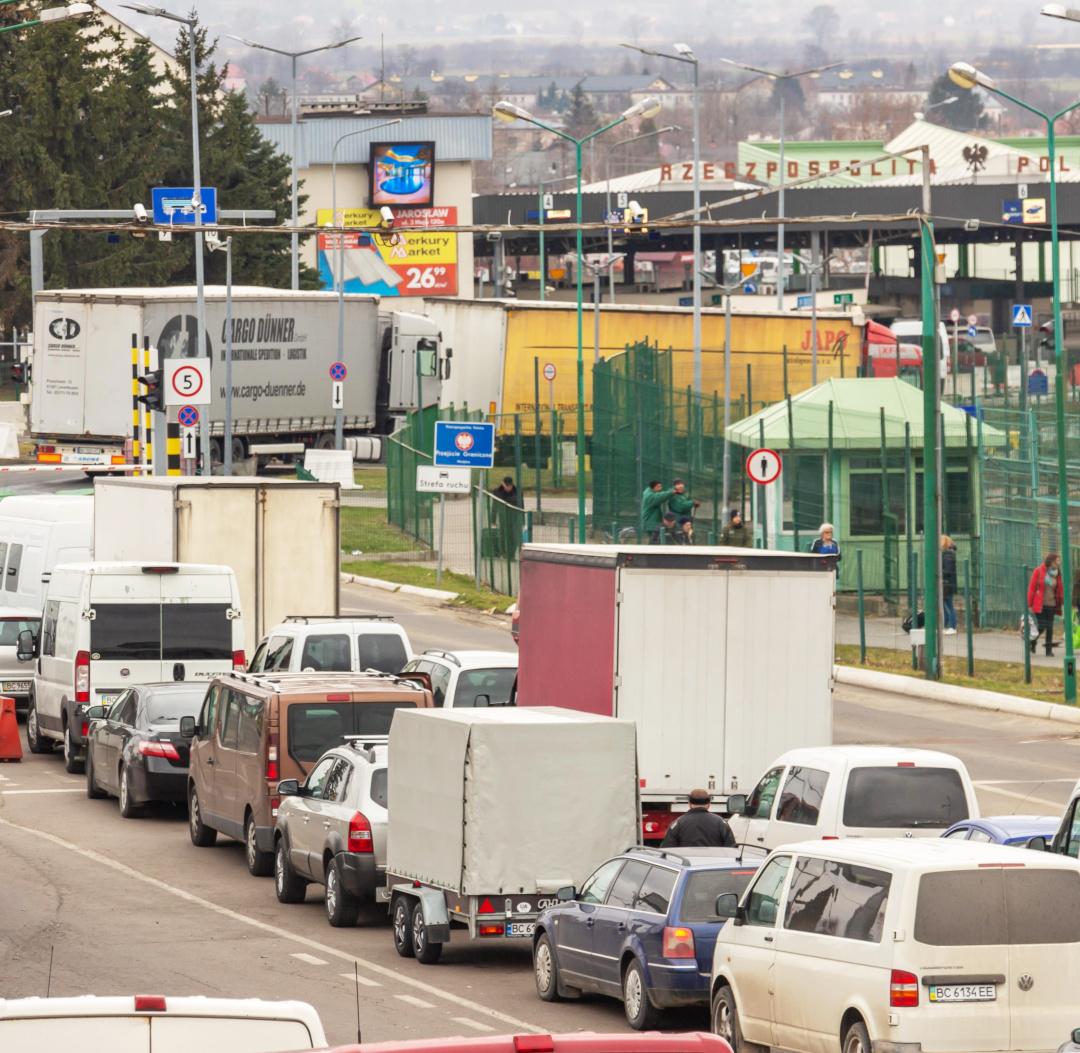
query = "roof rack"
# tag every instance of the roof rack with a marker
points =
(308, 618)
(444, 654)
(663, 853)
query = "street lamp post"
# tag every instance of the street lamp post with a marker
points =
(607, 195)
(49, 15)
(508, 112)
(966, 76)
(294, 55)
(921, 115)
(781, 78)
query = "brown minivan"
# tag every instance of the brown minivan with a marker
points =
(255, 730)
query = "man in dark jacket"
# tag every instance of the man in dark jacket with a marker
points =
(508, 492)
(699, 828)
(669, 529)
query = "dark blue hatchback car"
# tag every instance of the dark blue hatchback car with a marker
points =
(642, 929)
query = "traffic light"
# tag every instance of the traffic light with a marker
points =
(152, 398)
(20, 372)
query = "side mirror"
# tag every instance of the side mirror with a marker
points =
(95, 713)
(187, 727)
(288, 788)
(25, 648)
(727, 905)
(1076, 1036)
(1038, 844)
(482, 701)
(566, 894)
(736, 804)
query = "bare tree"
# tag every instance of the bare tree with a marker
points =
(821, 22)
(343, 29)
(406, 59)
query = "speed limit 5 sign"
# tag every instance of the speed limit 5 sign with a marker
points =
(187, 382)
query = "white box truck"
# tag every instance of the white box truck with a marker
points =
(283, 344)
(494, 811)
(280, 537)
(723, 657)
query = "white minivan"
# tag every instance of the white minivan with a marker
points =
(853, 791)
(900, 946)
(109, 626)
(910, 331)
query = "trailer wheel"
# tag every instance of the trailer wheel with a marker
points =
(403, 940)
(424, 949)
(325, 441)
(216, 449)
(239, 449)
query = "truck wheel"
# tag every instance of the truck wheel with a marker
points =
(92, 790)
(216, 449)
(259, 864)
(288, 885)
(239, 449)
(325, 441)
(202, 836)
(403, 928)
(725, 1023)
(342, 907)
(641, 1014)
(425, 951)
(71, 753)
(546, 970)
(34, 739)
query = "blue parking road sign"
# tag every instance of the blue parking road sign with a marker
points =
(1022, 315)
(459, 445)
(173, 207)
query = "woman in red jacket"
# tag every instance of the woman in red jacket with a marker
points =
(1045, 597)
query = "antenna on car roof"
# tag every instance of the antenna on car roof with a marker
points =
(356, 977)
(48, 983)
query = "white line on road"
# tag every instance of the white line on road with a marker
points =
(362, 980)
(418, 1002)
(274, 930)
(471, 1023)
(1054, 806)
(12, 793)
(309, 958)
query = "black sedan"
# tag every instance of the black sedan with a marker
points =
(134, 749)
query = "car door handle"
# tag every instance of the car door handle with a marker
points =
(210, 762)
(326, 822)
(589, 922)
(761, 838)
(621, 927)
(306, 818)
(768, 939)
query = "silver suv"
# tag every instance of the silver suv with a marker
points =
(331, 830)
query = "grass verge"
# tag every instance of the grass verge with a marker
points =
(366, 529)
(410, 574)
(1004, 677)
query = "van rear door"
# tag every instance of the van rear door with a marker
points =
(125, 633)
(197, 638)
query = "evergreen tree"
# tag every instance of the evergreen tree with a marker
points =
(581, 117)
(964, 115)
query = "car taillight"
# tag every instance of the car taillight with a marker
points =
(85, 728)
(903, 989)
(271, 757)
(360, 834)
(533, 1043)
(678, 942)
(159, 749)
(82, 676)
(238, 662)
(275, 803)
(491, 930)
(340, 696)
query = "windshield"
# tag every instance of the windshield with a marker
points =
(167, 707)
(702, 888)
(904, 797)
(11, 627)
(484, 687)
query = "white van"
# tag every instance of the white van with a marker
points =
(900, 946)
(853, 791)
(328, 644)
(109, 626)
(157, 1023)
(909, 331)
(37, 533)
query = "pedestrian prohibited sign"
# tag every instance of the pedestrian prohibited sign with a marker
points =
(188, 416)
(338, 371)
(549, 371)
(763, 466)
(187, 382)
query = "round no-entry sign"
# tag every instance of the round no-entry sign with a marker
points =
(954, 314)
(338, 371)
(549, 371)
(763, 466)
(188, 416)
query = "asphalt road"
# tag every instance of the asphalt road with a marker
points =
(125, 906)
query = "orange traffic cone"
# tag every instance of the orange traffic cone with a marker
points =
(10, 746)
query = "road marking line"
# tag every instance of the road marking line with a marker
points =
(471, 1023)
(1054, 806)
(275, 930)
(309, 958)
(363, 980)
(12, 793)
(418, 1002)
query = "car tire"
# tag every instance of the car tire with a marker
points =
(259, 864)
(342, 907)
(92, 790)
(128, 808)
(202, 836)
(403, 928)
(37, 742)
(857, 1039)
(288, 885)
(71, 753)
(641, 1014)
(725, 1023)
(546, 970)
(424, 950)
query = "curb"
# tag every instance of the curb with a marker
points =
(393, 586)
(955, 695)
(374, 583)
(434, 594)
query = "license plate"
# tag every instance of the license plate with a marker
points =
(520, 928)
(963, 993)
(15, 685)
(88, 449)
(108, 700)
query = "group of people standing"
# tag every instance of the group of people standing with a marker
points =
(667, 518)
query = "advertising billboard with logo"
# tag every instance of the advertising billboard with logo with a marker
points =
(402, 174)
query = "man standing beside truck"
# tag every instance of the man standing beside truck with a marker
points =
(699, 828)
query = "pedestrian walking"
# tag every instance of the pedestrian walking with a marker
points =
(507, 518)
(652, 506)
(1045, 597)
(825, 544)
(736, 534)
(948, 583)
(669, 528)
(680, 502)
(686, 530)
(508, 492)
(699, 828)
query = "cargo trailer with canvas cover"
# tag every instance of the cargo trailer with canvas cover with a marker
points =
(479, 832)
(723, 657)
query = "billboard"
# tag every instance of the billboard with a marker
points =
(398, 263)
(402, 174)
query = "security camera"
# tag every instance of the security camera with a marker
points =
(387, 216)
(140, 215)
(494, 235)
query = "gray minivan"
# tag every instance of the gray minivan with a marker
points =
(17, 674)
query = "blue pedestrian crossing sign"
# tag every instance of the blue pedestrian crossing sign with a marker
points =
(1022, 315)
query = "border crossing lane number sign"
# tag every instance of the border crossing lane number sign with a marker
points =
(549, 371)
(188, 416)
(187, 382)
(763, 466)
(1022, 315)
(338, 371)
(432, 480)
(460, 445)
